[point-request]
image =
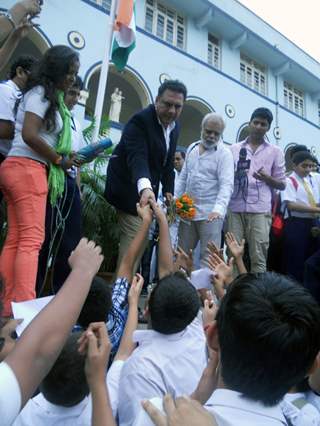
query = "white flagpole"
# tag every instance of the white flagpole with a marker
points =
(104, 72)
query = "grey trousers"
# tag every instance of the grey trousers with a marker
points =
(129, 226)
(200, 230)
(255, 229)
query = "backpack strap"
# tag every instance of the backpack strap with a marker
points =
(294, 182)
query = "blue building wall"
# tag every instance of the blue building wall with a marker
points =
(217, 88)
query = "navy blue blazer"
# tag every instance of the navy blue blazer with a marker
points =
(141, 152)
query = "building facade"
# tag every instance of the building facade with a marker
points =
(230, 60)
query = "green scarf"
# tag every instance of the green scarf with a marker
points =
(56, 174)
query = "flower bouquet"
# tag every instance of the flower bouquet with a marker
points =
(182, 207)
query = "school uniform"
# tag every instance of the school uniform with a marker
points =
(299, 244)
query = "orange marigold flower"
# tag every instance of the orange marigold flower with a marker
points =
(179, 205)
(185, 198)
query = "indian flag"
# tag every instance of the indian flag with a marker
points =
(124, 38)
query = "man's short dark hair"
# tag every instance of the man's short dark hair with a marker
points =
(97, 304)
(301, 156)
(173, 304)
(269, 335)
(26, 62)
(264, 113)
(78, 83)
(298, 148)
(66, 383)
(173, 85)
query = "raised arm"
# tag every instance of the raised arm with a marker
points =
(137, 244)
(42, 341)
(165, 261)
(127, 346)
(20, 11)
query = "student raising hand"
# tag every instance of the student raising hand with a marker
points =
(96, 345)
(86, 258)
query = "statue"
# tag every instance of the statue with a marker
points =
(115, 107)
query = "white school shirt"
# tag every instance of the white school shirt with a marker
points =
(10, 94)
(298, 195)
(308, 415)
(161, 364)
(38, 411)
(314, 180)
(143, 182)
(77, 143)
(208, 179)
(230, 408)
(10, 395)
(34, 101)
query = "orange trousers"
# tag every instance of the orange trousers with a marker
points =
(24, 185)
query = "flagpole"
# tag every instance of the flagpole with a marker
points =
(104, 72)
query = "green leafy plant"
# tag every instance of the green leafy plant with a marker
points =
(99, 217)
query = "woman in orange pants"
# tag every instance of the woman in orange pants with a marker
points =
(42, 126)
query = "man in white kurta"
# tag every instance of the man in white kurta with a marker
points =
(207, 177)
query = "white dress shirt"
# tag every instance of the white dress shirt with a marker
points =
(298, 195)
(144, 182)
(38, 411)
(161, 364)
(208, 179)
(10, 94)
(308, 415)
(10, 395)
(230, 408)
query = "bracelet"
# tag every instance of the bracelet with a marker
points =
(10, 19)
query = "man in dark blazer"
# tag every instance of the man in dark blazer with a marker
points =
(144, 158)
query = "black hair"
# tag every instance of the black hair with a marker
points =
(173, 85)
(51, 70)
(183, 153)
(269, 335)
(97, 304)
(26, 62)
(173, 304)
(78, 83)
(66, 383)
(264, 113)
(301, 156)
(298, 148)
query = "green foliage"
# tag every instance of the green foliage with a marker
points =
(99, 217)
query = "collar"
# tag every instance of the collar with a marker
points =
(53, 409)
(228, 398)
(246, 142)
(169, 128)
(145, 336)
(14, 86)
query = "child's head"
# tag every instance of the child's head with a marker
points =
(66, 383)
(173, 304)
(303, 163)
(268, 333)
(97, 304)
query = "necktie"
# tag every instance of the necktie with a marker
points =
(310, 196)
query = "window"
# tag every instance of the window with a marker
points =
(213, 51)
(293, 98)
(106, 4)
(253, 75)
(165, 23)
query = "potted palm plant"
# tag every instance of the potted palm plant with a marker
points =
(99, 217)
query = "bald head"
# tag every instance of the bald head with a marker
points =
(212, 127)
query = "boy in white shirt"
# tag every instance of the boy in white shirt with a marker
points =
(302, 208)
(171, 356)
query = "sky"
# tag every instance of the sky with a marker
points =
(298, 20)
